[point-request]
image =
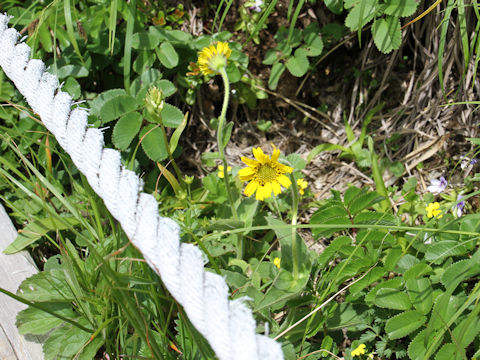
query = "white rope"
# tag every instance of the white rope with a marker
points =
(228, 325)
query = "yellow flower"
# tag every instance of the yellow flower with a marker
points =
(433, 210)
(265, 174)
(221, 172)
(211, 59)
(302, 185)
(360, 350)
(276, 262)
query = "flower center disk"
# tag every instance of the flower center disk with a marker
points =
(266, 173)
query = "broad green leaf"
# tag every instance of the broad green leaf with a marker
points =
(445, 306)
(46, 286)
(418, 347)
(167, 55)
(298, 64)
(448, 351)
(364, 200)
(35, 230)
(400, 8)
(171, 116)
(126, 129)
(438, 251)
(458, 272)
(275, 73)
(333, 249)
(166, 86)
(37, 322)
(387, 34)
(116, 107)
(403, 324)
(335, 6)
(420, 293)
(329, 215)
(145, 40)
(392, 299)
(153, 143)
(313, 45)
(75, 71)
(72, 87)
(376, 218)
(372, 276)
(227, 132)
(97, 103)
(347, 315)
(143, 62)
(361, 14)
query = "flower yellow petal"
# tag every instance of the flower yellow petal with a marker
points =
(249, 162)
(284, 168)
(275, 154)
(276, 187)
(267, 190)
(220, 167)
(250, 188)
(259, 155)
(246, 174)
(284, 181)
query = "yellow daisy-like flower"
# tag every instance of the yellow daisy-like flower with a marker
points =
(302, 185)
(265, 174)
(276, 262)
(360, 350)
(433, 210)
(211, 59)
(221, 172)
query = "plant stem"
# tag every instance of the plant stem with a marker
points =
(221, 147)
(295, 200)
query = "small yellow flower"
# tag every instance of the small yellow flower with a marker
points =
(221, 172)
(302, 185)
(433, 210)
(360, 350)
(265, 174)
(213, 58)
(276, 262)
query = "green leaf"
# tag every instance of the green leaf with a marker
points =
(143, 62)
(116, 107)
(448, 351)
(167, 87)
(360, 15)
(335, 6)
(403, 324)
(171, 116)
(329, 215)
(153, 143)
(97, 103)
(37, 322)
(458, 272)
(176, 135)
(438, 251)
(76, 71)
(313, 45)
(72, 87)
(126, 129)
(324, 147)
(392, 299)
(387, 34)
(391, 284)
(145, 40)
(364, 200)
(167, 55)
(372, 276)
(400, 8)
(275, 73)
(420, 292)
(34, 231)
(298, 64)
(418, 347)
(46, 286)
(227, 132)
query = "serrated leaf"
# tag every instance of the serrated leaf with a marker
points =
(458, 272)
(376, 218)
(387, 34)
(418, 347)
(333, 249)
(447, 352)
(400, 8)
(97, 103)
(126, 129)
(145, 40)
(117, 106)
(360, 15)
(392, 299)
(420, 292)
(275, 73)
(298, 64)
(466, 331)
(153, 143)
(363, 201)
(403, 324)
(46, 286)
(330, 215)
(438, 251)
(171, 116)
(167, 87)
(373, 275)
(37, 322)
(167, 55)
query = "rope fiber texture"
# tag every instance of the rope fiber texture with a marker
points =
(228, 325)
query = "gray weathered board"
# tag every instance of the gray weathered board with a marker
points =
(13, 270)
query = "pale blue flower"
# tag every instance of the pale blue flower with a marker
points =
(460, 206)
(437, 185)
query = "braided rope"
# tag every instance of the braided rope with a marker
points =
(228, 325)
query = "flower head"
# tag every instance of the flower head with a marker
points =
(360, 350)
(265, 174)
(213, 58)
(460, 205)
(302, 185)
(437, 185)
(221, 171)
(257, 6)
(276, 262)
(433, 210)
